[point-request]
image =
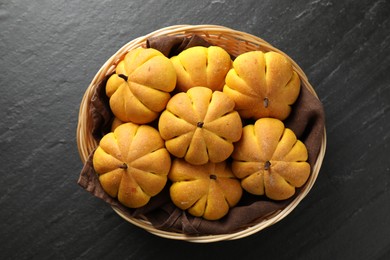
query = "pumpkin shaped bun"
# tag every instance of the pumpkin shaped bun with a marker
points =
(207, 191)
(140, 87)
(132, 164)
(262, 85)
(270, 160)
(200, 126)
(202, 66)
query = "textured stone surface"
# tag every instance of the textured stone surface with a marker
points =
(50, 51)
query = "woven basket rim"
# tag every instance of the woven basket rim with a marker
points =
(215, 34)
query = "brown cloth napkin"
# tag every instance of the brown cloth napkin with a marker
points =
(307, 121)
(171, 46)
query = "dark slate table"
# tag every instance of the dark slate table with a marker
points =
(49, 53)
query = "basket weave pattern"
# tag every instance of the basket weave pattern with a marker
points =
(235, 43)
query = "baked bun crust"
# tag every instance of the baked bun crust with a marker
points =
(140, 87)
(207, 191)
(262, 85)
(200, 126)
(270, 160)
(132, 164)
(202, 66)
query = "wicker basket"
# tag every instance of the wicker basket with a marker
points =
(235, 42)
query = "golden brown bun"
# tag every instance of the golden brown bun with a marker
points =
(262, 85)
(132, 164)
(200, 126)
(202, 66)
(206, 191)
(140, 87)
(115, 123)
(270, 160)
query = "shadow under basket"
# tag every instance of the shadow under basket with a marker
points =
(234, 42)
